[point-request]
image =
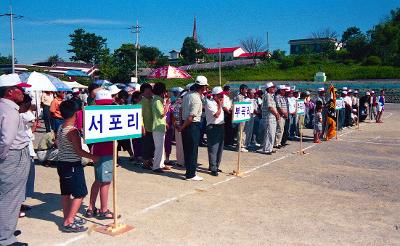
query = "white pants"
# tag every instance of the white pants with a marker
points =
(47, 155)
(179, 148)
(159, 153)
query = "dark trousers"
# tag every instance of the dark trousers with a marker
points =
(292, 126)
(190, 140)
(215, 145)
(347, 115)
(46, 117)
(148, 146)
(285, 135)
(229, 132)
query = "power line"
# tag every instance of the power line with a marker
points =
(136, 30)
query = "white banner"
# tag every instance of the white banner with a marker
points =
(112, 122)
(241, 111)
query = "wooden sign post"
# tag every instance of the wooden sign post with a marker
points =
(111, 123)
(241, 113)
(339, 106)
(300, 112)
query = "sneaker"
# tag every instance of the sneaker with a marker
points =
(244, 150)
(264, 152)
(195, 178)
(74, 227)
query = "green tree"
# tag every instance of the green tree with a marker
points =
(191, 50)
(87, 47)
(278, 55)
(54, 58)
(385, 39)
(350, 33)
(5, 60)
(356, 43)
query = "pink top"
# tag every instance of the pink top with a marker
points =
(102, 149)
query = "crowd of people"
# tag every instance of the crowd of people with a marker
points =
(188, 117)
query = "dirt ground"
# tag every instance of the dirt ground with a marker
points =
(342, 192)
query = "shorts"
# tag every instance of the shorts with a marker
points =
(103, 170)
(72, 179)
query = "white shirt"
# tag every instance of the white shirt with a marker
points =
(212, 108)
(227, 102)
(292, 105)
(348, 100)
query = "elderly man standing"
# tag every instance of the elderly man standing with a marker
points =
(270, 116)
(192, 108)
(241, 97)
(14, 158)
(282, 108)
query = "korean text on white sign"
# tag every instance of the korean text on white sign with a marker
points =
(112, 122)
(301, 107)
(339, 104)
(241, 111)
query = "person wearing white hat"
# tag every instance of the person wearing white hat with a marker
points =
(114, 90)
(282, 107)
(270, 116)
(15, 160)
(215, 129)
(348, 106)
(192, 108)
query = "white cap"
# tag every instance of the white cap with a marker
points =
(103, 95)
(282, 87)
(179, 89)
(344, 89)
(12, 80)
(269, 85)
(75, 90)
(201, 80)
(287, 88)
(114, 89)
(372, 92)
(217, 90)
(321, 89)
(350, 90)
(367, 93)
(355, 91)
(344, 92)
(308, 93)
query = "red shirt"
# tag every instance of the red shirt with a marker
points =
(102, 149)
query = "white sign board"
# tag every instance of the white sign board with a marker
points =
(339, 104)
(241, 111)
(112, 122)
(301, 107)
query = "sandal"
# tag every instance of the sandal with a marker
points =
(105, 215)
(74, 227)
(91, 213)
(79, 220)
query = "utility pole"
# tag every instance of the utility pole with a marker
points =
(12, 16)
(219, 63)
(267, 41)
(136, 30)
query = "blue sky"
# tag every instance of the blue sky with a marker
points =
(46, 24)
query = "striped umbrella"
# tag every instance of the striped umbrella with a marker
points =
(169, 72)
(43, 82)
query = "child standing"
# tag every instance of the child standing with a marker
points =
(70, 169)
(103, 169)
(318, 122)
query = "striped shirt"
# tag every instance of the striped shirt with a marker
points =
(268, 101)
(281, 102)
(66, 151)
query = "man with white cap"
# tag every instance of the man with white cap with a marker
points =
(282, 107)
(348, 108)
(270, 116)
(192, 108)
(14, 157)
(215, 129)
